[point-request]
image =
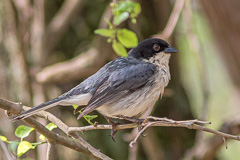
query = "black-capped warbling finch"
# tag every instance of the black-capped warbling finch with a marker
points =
(123, 88)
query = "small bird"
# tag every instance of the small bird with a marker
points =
(122, 89)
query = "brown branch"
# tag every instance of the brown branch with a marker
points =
(172, 21)
(60, 23)
(7, 153)
(51, 151)
(208, 148)
(83, 65)
(84, 147)
(80, 145)
(160, 122)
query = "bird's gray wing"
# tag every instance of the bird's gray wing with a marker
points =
(120, 83)
(79, 95)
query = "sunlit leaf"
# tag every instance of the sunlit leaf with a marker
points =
(134, 21)
(4, 139)
(127, 38)
(42, 137)
(126, 6)
(136, 10)
(50, 127)
(119, 49)
(89, 118)
(104, 32)
(75, 106)
(23, 131)
(109, 23)
(120, 18)
(23, 147)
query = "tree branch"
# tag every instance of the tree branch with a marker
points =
(51, 151)
(172, 21)
(60, 23)
(80, 145)
(83, 65)
(208, 148)
(84, 147)
(160, 122)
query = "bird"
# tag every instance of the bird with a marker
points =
(124, 88)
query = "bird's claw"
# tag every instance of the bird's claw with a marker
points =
(135, 120)
(114, 129)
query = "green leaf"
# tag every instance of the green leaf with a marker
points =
(4, 139)
(23, 147)
(119, 49)
(42, 137)
(126, 6)
(127, 38)
(134, 21)
(75, 106)
(23, 131)
(119, 18)
(104, 32)
(50, 127)
(110, 26)
(89, 118)
(136, 10)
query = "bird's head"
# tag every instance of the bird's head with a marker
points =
(150, 48)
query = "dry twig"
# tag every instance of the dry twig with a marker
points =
(80, 145)
(160, 122)
(172, 21)
(86, 147)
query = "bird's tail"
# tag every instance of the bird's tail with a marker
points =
(38, 108)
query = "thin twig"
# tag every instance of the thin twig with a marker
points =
(172, 21)
(149, 122)
(8, 154)
(80, 145)
(160, 122)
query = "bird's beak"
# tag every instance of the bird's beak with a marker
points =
(170, 50)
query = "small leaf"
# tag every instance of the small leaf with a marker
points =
(104, 32)
(136, 10)
(50, 127)
(127, 38)
(110, 26)
(89, 118)
(23, 147)
(75, 106)
(4, 139)
(119, 49)
(120, 18)
(42, 137)
(126, 6)
(23, 131)
(134, 21)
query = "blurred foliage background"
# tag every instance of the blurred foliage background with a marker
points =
(48, 47)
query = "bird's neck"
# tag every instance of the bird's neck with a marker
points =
(161, 59)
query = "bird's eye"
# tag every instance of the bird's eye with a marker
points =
(156, 47)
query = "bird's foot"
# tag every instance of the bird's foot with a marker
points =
(114, 127)
(135, 120)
